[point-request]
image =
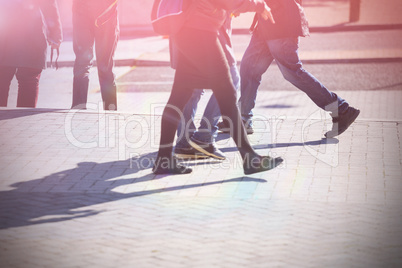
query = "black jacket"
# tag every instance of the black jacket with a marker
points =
(290, 20)
(210, 15)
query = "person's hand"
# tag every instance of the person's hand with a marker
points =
(266, 14)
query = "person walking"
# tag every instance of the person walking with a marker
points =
(95, 22)
(202, 64)
(23, 46)
(279, 41)
(203, 139)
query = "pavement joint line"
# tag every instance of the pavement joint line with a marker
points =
(156, 63)
(147, 31)
(66, 111)
(338, 28)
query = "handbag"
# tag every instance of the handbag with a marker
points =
(168, 16)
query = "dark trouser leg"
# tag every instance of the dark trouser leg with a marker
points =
(6, 76)
(106, 38)
(83, 42)
(28, 86)
(202, 64)
(226, 97)
(172, 114)
(203, 60)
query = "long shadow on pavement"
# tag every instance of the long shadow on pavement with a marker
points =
(17, 113)
(323, 141)
(64, 195)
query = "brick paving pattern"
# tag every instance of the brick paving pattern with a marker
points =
(76, 187)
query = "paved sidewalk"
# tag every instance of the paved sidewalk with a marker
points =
(76, 187)
(77, 191)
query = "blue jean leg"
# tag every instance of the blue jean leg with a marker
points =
(255, 62)
(285, 52)
(208, 129)
(186, 126)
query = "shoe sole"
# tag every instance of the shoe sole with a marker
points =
(227, 131)
(202, 150)
(172, 171)
(276, 162)
(330, 135)
(190, 156)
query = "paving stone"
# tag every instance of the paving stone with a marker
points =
(67, 202)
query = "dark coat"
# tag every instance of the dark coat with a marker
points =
(210, 15)
(23, 34)
(290, 20)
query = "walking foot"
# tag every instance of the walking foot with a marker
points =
(208, 149)
(341, 123)
(189, 153)
(259, 163)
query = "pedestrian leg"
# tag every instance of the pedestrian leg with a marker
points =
(285, 52)
(172, 114)
(6, 76)
(28, 86)
(186, 126)
(106, 38)
(255, 62)
(83, 43)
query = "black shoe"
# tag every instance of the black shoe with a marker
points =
(207, 148)
(341, 123)
(260, 163)
(169, 166)
(110, 107)
(224, 128)
(189, 153)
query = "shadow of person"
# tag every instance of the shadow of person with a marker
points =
(323, 141)
(7, 114)
(68, 194)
